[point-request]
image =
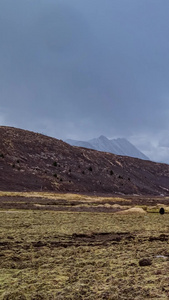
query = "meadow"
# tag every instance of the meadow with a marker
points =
(48, 254)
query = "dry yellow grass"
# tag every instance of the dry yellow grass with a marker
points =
(49, 256)
(67, 196)
(132, 210)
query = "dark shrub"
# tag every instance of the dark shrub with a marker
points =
(162, 211)
(90, 169)
(145, 262)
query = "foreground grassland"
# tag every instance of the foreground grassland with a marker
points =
(83, 255)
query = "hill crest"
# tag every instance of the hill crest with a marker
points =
(33, 162)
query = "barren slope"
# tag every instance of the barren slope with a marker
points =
(32, 161)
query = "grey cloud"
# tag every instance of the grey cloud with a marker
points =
(78, 69)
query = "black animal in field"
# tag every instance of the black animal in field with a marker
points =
(161, 211)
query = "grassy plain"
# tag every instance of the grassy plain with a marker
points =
(82, 255)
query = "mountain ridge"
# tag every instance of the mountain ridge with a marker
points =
(34, 162)
(119, 146)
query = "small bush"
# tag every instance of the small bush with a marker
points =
(161, 211)
(111, 172)
(1, 155)
(90, 169)
(55, 175)
(145, 262)
(83, 172)
(120, 177)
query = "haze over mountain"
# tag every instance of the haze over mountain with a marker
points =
(34, 162)
(119, 146)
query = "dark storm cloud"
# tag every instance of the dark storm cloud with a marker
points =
(79, 68)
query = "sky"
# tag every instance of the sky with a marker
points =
(83, 68)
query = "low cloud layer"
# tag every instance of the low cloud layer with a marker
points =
(78, 69)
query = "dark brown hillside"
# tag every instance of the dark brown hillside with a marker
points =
(33, 162)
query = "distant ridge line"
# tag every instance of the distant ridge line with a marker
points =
(119, 146)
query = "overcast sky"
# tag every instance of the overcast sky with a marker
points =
(81, 68)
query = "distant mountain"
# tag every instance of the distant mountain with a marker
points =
(118, 146)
